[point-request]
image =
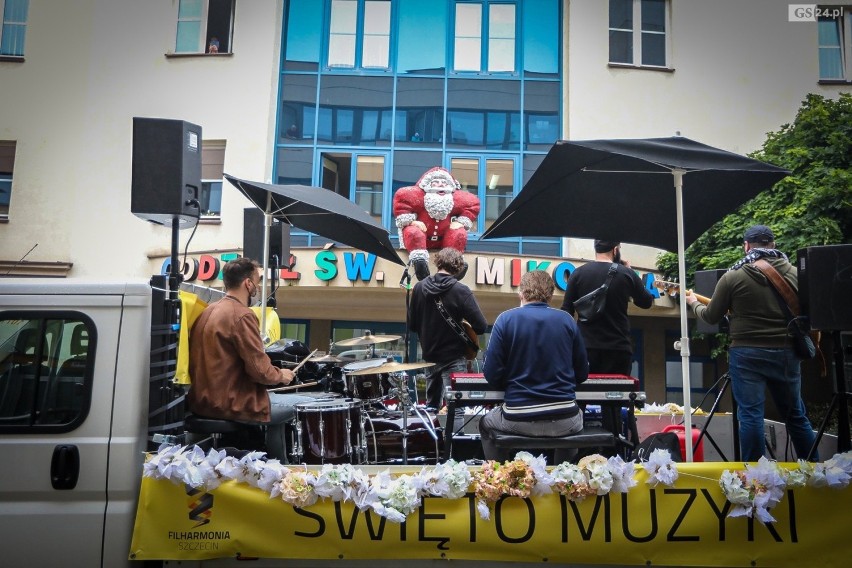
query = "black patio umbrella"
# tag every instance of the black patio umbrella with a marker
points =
(660, 192)
(319, 211)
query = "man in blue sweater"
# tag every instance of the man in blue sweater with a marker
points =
(536, 355)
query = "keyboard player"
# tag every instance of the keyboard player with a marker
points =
(537, 357)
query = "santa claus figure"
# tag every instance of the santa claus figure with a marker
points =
(432, 215)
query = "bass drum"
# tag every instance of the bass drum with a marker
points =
(329, 431)
(383, 437)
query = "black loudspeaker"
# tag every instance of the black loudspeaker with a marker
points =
(279, 238)
(166, 171)
(705, 284)
(825, 286)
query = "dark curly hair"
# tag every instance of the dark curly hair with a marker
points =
(449, 260)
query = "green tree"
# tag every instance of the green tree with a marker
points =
(812, 206)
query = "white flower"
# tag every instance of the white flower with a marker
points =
(661, 468)
(754, 491)
(538, 465)
(622, 474)
(397, 499)
(450, 480)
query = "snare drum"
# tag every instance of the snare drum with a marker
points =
(329, 431)
(365, 387)
(383, 432)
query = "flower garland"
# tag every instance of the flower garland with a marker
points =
(753, 491)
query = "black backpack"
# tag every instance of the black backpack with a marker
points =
(659, 441)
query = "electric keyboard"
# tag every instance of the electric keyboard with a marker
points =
(472, 388)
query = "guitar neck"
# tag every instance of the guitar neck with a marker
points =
(674, 287)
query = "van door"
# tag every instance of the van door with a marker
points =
(70, 457)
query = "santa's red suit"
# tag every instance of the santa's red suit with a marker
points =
(438, 204)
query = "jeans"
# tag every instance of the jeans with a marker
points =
(439, 379)
(754, 370)
(281, 412)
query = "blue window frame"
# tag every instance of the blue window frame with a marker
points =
(359, 34)
(485, 37)
(14, 27)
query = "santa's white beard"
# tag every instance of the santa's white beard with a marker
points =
(438, 206)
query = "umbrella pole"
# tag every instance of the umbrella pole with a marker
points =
(267, 223)
(684, 329)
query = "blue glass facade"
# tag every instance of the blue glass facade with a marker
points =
(375, 92)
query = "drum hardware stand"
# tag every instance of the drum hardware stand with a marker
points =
(403, 395)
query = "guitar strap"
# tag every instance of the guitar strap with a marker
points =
(454, 324)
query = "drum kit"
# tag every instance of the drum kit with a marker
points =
(356, 421)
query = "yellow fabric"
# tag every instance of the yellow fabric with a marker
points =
(684, 525)
(191, 307)
(273, 325)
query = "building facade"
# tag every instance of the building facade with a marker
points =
(361, 97)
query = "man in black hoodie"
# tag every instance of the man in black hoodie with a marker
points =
(440, 343)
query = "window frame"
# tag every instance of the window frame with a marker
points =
(360, 35)
(208, 182)
(486, 38)
(203, 41)
(50, 354)
(7, 177)
(844, 22)
(22, 24)
(637, 34)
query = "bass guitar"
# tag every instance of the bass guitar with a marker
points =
(472, 343)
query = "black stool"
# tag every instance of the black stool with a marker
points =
(592, 437)
(219, 431)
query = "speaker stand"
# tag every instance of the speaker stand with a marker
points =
(723, 382)
(840, 403)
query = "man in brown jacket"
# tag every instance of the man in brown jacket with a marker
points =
(229, 367)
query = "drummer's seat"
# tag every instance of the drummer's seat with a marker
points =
(219, 432)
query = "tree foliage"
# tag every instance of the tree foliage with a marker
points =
(811, 206)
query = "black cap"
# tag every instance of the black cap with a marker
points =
(759, 234)
(605, 246)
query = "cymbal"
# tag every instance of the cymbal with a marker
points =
(368, 339)
(326, 359)
(392, 367)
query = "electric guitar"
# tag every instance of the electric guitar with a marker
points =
(672, 288)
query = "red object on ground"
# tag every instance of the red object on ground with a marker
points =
(697, 449)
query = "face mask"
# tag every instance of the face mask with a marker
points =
(253, 294)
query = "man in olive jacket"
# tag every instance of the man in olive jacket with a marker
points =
(760, 356)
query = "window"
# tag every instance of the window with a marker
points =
(491, 179)
(212, 168)
(14, 28)
(359, 34)
(46, 366)
(637, 32)
(835, 46)
(204, 26)
(7, 163)
(484, 39)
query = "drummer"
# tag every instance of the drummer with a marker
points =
(229, 367)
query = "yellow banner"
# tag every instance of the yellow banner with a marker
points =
(685, 525)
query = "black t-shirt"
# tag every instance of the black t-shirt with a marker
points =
(611, 330)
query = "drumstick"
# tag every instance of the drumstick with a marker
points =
(305, 360)
(291, 387)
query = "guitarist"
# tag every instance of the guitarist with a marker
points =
(761, 356)
(440, 342)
